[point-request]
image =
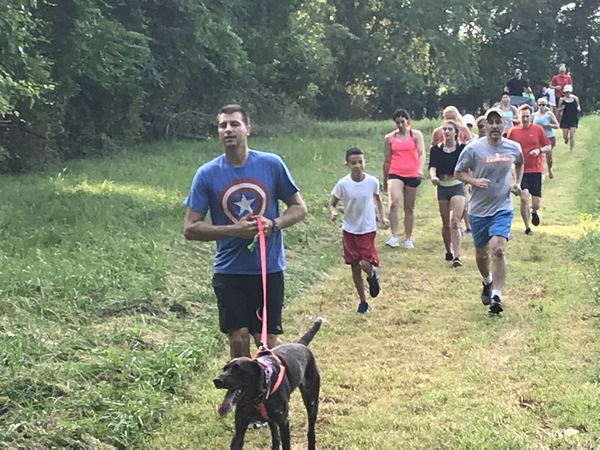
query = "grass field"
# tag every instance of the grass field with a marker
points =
(109, 336)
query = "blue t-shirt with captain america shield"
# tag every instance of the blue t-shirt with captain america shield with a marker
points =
(229, 193)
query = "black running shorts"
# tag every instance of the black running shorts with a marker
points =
(408, 182)
(533, 183)
(240, 301)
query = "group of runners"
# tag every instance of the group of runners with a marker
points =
(478, 162)
(478, 167)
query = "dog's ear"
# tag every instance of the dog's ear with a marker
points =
(259, 374)
(253, 376)
(251, 369)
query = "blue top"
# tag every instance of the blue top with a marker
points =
(230, 193)
(544, 122)
(508, 117)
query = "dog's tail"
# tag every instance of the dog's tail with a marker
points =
(310, 334)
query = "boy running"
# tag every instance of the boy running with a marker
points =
(360, 193)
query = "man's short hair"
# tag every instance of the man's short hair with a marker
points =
(232, 109)
(353, 151)
(523, 107)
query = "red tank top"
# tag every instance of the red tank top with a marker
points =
(404, 161)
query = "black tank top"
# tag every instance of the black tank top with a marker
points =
(570, 112)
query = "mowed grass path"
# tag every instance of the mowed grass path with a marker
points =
(427, 367)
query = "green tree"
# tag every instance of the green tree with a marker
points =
(24, 72)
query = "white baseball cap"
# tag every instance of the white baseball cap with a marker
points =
(491, 111)
(568, 88)
(468, 119)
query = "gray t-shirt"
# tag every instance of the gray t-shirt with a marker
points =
(493, 163)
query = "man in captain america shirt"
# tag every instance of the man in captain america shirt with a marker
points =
(238, 188)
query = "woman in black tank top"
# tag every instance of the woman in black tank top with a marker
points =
(569, 111)
(450, 191)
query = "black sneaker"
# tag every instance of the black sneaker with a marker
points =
(449, 256)
(535, 219)
(496, 305)
(528, 231)
(373, 284)
(457, 262)
(363, 307)
(486, 294)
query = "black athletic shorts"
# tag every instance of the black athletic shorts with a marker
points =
(533, 183)
(445, 193)
(408, 182)
(240, 301)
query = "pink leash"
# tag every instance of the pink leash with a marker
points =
(264, 349)
(262, 251)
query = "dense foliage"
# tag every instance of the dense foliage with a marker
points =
(79, 76)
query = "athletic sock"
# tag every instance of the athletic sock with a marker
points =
(497, 292)
(488, 279)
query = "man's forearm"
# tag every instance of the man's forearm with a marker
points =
(292, 215)
(519, 173)
(206, 231)
(465, 177)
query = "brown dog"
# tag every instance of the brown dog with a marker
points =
(261, 388)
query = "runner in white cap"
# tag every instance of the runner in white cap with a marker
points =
(569, 109)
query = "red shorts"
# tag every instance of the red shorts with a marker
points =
(359, 247)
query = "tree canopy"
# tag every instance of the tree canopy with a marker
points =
(79, 77)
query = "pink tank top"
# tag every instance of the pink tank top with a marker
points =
(405, 160)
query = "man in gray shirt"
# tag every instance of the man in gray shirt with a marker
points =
(486, 164)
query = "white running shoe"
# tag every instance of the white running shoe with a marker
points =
(408, 244)
(393, 242)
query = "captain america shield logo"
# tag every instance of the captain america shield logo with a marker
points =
(242, 197)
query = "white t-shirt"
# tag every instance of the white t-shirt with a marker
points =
(551, 96)
(359, 207)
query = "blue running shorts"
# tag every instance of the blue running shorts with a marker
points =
(484, 228)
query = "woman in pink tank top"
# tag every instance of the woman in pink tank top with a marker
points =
(403, 165)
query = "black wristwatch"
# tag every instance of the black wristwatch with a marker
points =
(275, 227)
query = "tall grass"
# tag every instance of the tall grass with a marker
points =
(105, 311)
(587, 249)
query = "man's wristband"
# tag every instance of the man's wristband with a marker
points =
(276, 226)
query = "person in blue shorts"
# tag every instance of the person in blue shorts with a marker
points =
(238, 188)
(486, 164)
